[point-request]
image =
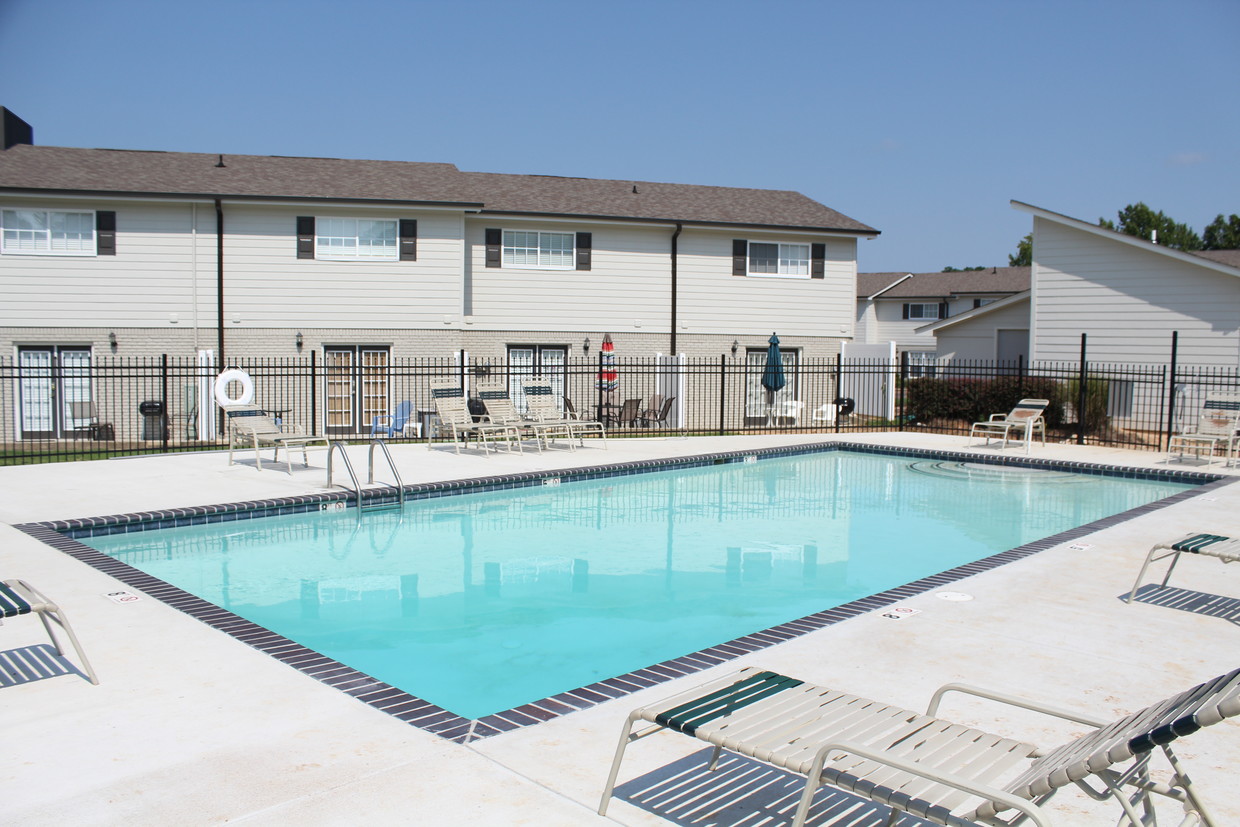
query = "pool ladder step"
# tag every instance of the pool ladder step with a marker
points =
(362, 507)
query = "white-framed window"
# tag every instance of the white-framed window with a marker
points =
(47, 232)
(537, 249)
(767, 259)
(355, 239)
(923, 311)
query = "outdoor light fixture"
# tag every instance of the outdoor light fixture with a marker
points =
(112, 340)
(735, 345)
(299, 341)
(585, 346)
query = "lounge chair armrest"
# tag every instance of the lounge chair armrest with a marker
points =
(959, 782)
(1010, 700)
(999, 417)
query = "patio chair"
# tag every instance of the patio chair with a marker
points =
(657, 414)
(453, 412)
(1025, 419)
(1225, 549)
(628, 414)
(251, 426)
(540, 405)
(920, 764)
(824, 413)
(1217, 425)
(398, 423)
(500, 410)
(17, 598)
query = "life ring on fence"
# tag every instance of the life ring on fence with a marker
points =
(221, 388)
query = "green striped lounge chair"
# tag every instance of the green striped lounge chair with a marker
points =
(1225, 549)
(943, 772)
(17, 598)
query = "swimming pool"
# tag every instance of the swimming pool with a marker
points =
(485, 602)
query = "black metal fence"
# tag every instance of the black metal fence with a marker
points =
(107, 406)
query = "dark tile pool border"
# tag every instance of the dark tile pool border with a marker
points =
(63, 535)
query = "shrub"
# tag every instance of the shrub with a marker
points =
(973, 400)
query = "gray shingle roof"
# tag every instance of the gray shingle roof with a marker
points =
(993, 280)
(62, 169)
(1229, 257)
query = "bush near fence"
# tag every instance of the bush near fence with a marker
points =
(970, 399)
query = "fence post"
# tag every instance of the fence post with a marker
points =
(314, 392)
(900, 386)
(1081, 397)
(1175, 346)
(839, 388)
(163, 398)
(723, 384)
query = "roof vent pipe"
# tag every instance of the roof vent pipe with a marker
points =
(1153, 236)
(220, 163)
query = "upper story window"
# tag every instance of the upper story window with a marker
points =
(528, 248)
(355, 239)
(48, 232)
(536, 249)
(927, 310)
(778, 260)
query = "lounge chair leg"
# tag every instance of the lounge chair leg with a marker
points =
(1149, 558)
(615, 765)
(714, 758)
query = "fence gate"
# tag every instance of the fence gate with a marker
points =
(872, 381)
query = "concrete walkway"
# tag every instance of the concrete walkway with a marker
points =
(191, 727)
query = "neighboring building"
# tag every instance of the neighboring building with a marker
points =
(137, 253)
(1126, 294)
(896, 307)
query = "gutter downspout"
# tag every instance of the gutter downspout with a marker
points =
(675, 240)
(219, 281)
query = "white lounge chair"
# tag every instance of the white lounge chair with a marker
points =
(249, 426)
(540, 405)
(943, 772)
(1226, 549)
(1217, 425)
(1025, 419)
(502, 411)
(17, 598)
(454, 414)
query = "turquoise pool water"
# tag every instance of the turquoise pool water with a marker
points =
(482, 602)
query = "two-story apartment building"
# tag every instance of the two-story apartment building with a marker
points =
(140, 253)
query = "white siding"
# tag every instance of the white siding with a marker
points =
(150, 277)
(1128, 301)
(977, 339)
(268, 286)
(712, 300)
(629, 282)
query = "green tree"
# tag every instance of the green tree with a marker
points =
(1024, 253)
(961, 269)
(1141, 221)
(1222, 234)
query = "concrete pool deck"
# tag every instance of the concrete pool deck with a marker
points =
(190, 726)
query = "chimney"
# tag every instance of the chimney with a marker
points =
(13, 130)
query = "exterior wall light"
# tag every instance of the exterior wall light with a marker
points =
(585, 346)
(112, 340)
(735, 345)
(300, 341)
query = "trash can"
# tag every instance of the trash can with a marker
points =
(154, 419)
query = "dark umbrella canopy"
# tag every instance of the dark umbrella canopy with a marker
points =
(773, 374)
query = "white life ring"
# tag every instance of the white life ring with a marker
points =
(221, 388)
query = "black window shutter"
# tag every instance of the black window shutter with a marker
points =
(585, 243)
(818, 261)
(942, 310)
(305, 236)
(105, 233)
(408, 231)
(740, 252)
(906, 310)
(495, 240)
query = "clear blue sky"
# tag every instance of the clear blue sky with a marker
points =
(922, 119)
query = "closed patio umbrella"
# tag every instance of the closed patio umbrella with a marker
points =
(608, 380)
(773, 378)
